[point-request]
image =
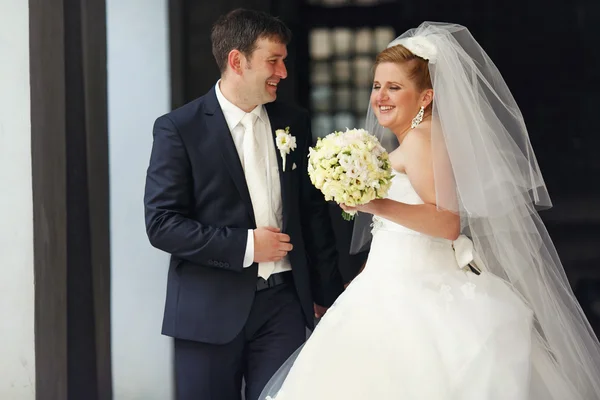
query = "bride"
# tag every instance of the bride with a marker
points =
(436, 314)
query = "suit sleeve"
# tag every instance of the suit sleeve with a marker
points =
(168, 202)
(318, 234)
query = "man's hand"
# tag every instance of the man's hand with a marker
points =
(319, 310)
(359, 271)
(270, 244)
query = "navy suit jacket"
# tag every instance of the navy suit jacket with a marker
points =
(198, 209)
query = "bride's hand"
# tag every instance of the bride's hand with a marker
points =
(370, 207)
(348, 208)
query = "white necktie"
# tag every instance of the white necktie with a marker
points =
(255, 170)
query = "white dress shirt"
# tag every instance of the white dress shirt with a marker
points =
(233, 116)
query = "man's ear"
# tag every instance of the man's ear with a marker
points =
(236, 61)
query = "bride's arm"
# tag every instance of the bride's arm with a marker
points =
(425, 218)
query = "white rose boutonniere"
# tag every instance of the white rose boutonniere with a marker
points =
(285, 142)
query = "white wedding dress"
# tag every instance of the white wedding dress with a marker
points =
(414, 325)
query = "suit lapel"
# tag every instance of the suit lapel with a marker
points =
(279, 120)
(216, 122)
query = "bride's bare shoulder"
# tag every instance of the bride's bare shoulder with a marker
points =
(397, 159)
(417, 137)
(417, 145)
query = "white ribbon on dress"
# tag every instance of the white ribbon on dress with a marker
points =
(465, 254)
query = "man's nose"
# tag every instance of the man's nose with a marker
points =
(281, 70)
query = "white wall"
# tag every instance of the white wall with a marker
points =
(17, 355)
(138, 93)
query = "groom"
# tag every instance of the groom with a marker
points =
(250, 241)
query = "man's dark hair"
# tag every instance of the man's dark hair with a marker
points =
(240, 29)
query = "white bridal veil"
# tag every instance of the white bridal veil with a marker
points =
(486, 171)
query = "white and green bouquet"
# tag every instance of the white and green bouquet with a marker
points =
(350, 168)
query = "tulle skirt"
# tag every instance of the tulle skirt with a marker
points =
(413, 325)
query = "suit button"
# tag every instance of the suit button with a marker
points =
(211, 262)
